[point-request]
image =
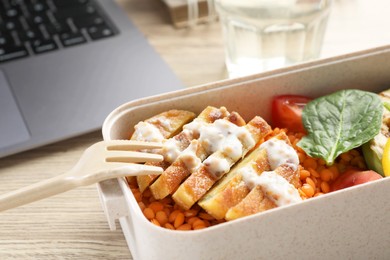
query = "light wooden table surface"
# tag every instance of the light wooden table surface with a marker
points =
(72, 225)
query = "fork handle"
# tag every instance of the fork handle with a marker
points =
(36, 191)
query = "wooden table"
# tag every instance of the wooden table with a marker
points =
(72, 225)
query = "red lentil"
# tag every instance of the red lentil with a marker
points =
(179, 220)
(184, 227)
(149, 213)
(162, 217)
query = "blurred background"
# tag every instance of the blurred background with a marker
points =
(353, 25)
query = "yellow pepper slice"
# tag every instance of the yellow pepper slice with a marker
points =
(386, 158)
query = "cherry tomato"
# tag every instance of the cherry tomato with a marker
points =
(287, 112)
(354, 177)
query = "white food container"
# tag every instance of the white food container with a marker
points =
(353, 223)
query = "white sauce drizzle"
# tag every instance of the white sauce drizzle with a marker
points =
(195, 126)
(172, 147)
(189, 158)
(147, 132)
(171, 150)
(217, 166)
(228, 138)
(279, 152)
(225, 136)
(275, 186)
(163, 121)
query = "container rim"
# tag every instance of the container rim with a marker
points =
(117, 112)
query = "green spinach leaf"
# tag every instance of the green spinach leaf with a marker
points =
(340, 122)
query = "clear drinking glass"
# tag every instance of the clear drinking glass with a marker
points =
(263, 35)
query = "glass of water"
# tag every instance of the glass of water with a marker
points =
(262, 35)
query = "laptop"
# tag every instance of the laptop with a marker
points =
(65, 65)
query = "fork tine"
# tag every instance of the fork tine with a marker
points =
(126, 169)
(132, 157)
(125, 145)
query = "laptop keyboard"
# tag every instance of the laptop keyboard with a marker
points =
(32, 27)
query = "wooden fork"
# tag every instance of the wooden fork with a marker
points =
(101, 161)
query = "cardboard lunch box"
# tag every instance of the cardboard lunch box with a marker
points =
(353, 223)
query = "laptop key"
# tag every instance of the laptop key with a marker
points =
(88, 21)
(16, 38)
(70, 39)
(41, 46)
(11, 13)
(56, 26)
(11, 24)
(40, 18)
(99, 32)
(5, 39)
(29, 35)
(10, 40)
(37, 7)
(64, 13)
(7, 54)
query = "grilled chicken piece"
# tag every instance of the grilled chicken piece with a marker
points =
(179, 142)
(231, 189)
(190, 159)
(219, 163)
(260, 198)
(161, 127)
